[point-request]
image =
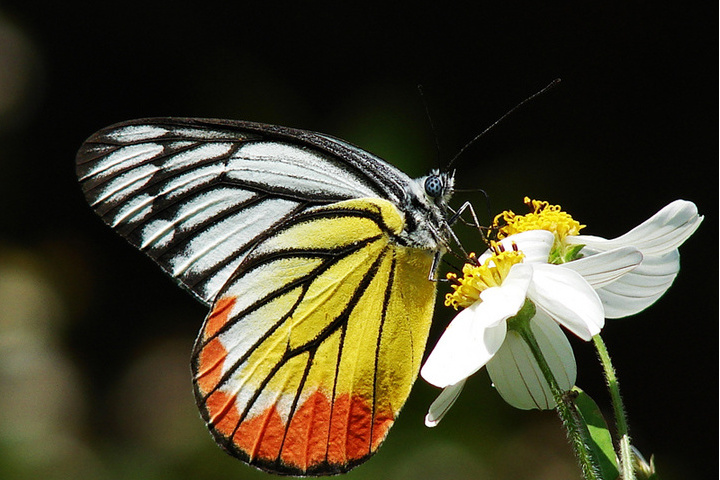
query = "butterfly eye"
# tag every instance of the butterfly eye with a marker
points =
(434, 186)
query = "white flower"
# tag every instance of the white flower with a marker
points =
(479, 336)
(658, 238)
(628, 274)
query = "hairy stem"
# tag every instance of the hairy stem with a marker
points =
(626, 455)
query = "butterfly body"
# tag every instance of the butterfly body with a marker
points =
(314, 257)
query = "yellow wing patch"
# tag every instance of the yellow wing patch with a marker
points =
(312, 347)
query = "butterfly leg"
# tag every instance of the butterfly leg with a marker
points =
(451, 221)
(457, 215)
(475, 222)
(433, 269)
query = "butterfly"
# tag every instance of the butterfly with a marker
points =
(315, 259)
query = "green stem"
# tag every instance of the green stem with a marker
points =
(626, 455)
(566, 409)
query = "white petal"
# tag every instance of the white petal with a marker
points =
(556, 350)
(642, 287)
(442, 404)
(463, 349)
(606, 267)
(566, 297)
(516, 374)
(505, 301)
(534, 244)
(477, 332)
(660, 234)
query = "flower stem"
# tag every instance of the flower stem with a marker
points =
(626, 455)
(566, 409)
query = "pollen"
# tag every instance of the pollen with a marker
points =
(476, 278)
(543, 216)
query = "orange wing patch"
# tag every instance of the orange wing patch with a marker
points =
(307, 438)
(213, 355)
(311, 349)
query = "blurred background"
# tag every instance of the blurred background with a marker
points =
(95, 341)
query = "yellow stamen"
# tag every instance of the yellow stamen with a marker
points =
(543, 217)
(477, 278)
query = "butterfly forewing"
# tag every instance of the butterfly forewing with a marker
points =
(311, 349)
(195, 195)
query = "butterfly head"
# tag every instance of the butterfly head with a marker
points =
(426, 209)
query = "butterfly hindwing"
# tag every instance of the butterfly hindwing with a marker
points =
(311, 348)
(196, 195)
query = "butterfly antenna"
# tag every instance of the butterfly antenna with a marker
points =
(430, 121)
(551, 85)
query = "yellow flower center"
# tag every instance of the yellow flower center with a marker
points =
(476, 278)
(542, 217)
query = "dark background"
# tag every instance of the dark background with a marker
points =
(95, 340)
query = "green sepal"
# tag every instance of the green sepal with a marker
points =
(562, 253)
(601, 442)
(572, 252)
(521, 320)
